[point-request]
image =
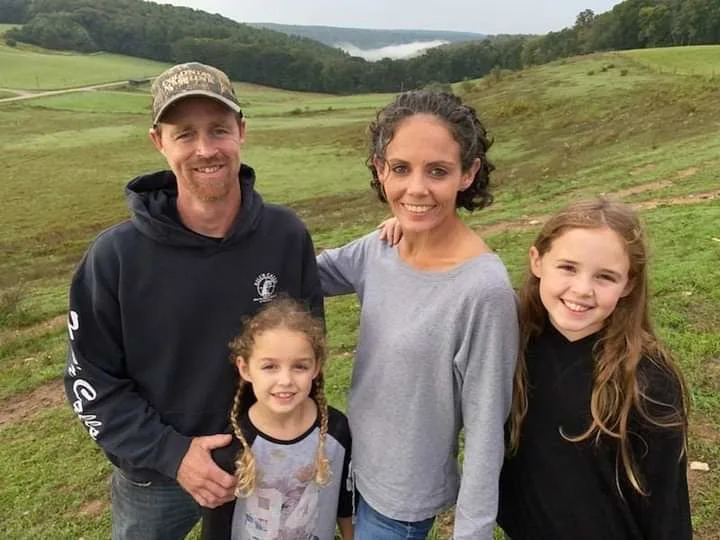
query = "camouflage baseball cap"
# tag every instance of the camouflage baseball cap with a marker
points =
(191, 79)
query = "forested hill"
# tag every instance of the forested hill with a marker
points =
(178, 34)
(365, 38)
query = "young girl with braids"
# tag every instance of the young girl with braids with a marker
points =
(599, 419)
(291, 451)
(438, 333)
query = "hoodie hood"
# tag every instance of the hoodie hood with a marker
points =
(152, 200)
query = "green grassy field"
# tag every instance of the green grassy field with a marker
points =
(696, 60)
(28, 68)
(561, 133)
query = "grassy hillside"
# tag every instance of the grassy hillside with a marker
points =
(698, 60)
(603, 124)
(29, 68)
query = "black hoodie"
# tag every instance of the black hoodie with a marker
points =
(153, 306)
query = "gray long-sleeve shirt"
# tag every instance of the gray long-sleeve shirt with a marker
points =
(436, 352)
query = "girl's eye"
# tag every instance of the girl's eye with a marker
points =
(268, 367)
(608, 277)
(566, 267)
(302, 367)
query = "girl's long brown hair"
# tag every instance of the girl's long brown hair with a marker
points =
(292, 315)
(627, 338)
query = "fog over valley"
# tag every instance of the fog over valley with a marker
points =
(404, 50)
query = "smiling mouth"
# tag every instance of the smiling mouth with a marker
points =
(208, 170)
(417, 208)
(283, 395)
(574, 307)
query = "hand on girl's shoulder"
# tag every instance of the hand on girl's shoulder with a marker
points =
(225, 456)
(390, 231)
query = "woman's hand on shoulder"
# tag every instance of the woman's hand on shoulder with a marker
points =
(390, 231)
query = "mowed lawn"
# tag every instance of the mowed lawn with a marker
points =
(560, 134)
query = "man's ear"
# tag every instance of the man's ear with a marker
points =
(156, 138)
(243, 129)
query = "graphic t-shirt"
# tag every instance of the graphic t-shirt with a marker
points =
(287, 503)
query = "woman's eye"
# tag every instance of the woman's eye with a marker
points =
(399, 169)
(438, 173)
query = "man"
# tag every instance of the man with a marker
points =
(156, 300)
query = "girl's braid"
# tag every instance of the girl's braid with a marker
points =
(322, 465)
(244, 461)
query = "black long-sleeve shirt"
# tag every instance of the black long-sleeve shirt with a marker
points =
(557, 489)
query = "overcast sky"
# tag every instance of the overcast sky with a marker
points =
(483, 16)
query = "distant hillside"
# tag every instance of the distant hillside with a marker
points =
(365, 38)
(249, 53)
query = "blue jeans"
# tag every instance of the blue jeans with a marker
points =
(157, 510)
(372, 525)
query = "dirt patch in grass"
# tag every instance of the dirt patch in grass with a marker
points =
(528, 222)
(644, 169)
(687, 173)
(621, 194)
(693, 198)
(94, 508)
(444, 524)
(34, 330)
(704, 432)
(21, 407)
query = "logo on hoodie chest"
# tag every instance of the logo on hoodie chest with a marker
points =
(265, 284)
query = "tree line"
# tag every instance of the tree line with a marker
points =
(178, 34)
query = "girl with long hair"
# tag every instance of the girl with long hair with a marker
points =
(599, 417)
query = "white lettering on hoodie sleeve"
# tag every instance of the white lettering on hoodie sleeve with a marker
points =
(83, 392)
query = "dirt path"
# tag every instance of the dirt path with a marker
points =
(25, 94)
(24, 406)
(530, 222)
